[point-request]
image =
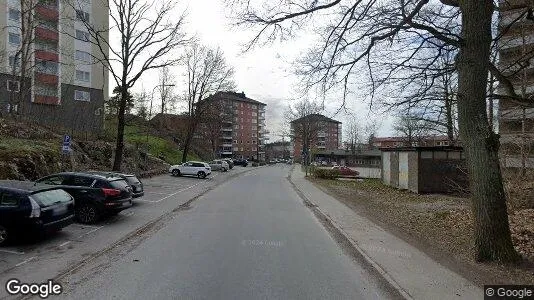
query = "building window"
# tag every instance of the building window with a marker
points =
(47, 67)
(82, 35)
(82, 96)
(14, 14)
(14, 63)
(236, 126)
(82, 15)
(83, 56)
(235, 141)
(248, 142)
(14, 38)
(241, 149)
(254, 142)
(13, 86)
(236, 148)
(254, 135)
(83, 76)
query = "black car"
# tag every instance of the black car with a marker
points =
(116, 193)
(230, 162)
(131, 179)
(36, 209)
(241, 162)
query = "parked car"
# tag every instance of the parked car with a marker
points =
(324, 163)
(195, 168)
(230, 162)
(346, 171)
(219, 165)
(272, 162)
(26, 207)
(95, 195)
(131, 179)
(241, 162)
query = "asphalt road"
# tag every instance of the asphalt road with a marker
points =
(249, 238)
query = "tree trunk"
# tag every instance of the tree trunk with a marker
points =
(492, 233)
(119, 148)
(448, 115)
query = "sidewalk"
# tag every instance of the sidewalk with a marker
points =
(410, 271)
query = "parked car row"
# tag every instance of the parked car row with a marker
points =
(56, 201)
(202, 169)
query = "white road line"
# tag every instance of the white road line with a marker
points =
(12, 252)
(171, 195)
(91, 231)
(165, 194)
(128, 214)
(83, 226)
(64, 244)
(25, 261)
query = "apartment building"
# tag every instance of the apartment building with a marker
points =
(325, 134)
(241, 132)
(516, 59)
(49, 73)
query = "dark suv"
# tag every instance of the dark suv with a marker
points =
(116, 193)
(26, 207)
(241, 162)
(131, 179)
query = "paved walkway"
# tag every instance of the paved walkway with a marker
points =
(409, 270)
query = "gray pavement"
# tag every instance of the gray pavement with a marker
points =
(55, 256)
(249, 238)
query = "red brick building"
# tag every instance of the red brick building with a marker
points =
(323, 133)
(242, 132)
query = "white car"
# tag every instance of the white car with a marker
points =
(195, 168)
(219, 164)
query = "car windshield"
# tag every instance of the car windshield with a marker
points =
(118, 184)
(132, 180)
(50, 197)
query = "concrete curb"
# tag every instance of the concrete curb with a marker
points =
(335, 227)
(135, 232)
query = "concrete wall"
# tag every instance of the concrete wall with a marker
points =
(386, 168)
(442, 175)
(394, 160)
(403, 170)
(413, 171)
(369, 172)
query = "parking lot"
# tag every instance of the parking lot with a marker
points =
(34, 261)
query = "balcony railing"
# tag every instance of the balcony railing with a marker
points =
(47, 12)
(46, 34)
(46, 55)
(42, 99)
(227, 129)
(46, 78)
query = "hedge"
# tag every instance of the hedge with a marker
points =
(326, 173)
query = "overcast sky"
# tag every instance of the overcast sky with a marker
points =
(264, 74)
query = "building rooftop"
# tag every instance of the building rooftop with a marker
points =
(234, 96)
(315, 117)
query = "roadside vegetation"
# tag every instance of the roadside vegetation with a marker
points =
(442, 225)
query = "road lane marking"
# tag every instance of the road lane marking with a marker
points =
(25, 261)
(12, 252)
(173, 194)
(90, 231)
(64, 244)
(156, 193)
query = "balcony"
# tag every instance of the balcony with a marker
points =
(50, 100)
(46, 78)
(46, 34)
(46, 55)
(47, 12)
(227, 145)
(227, 137)
(227, 129)
(227, 153)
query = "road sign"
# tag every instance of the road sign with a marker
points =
(66, 144)
(66, 140)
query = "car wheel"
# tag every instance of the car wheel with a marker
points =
(201, 175)
(87, 214)
(176, 172)
(3, 234)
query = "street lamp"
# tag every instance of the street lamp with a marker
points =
(150, 110)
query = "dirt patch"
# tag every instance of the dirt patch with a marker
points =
(441, 226)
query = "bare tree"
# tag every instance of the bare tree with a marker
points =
(166, 86)
(354, 37)
(305, 125)
(207, 72)
(354, 135)
(412, 128)
(147, 33)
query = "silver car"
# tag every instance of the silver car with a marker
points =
(218, 164)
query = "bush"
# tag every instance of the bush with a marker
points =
(254, 164)
(325, 173)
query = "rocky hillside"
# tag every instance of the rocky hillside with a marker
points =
(29, 151)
